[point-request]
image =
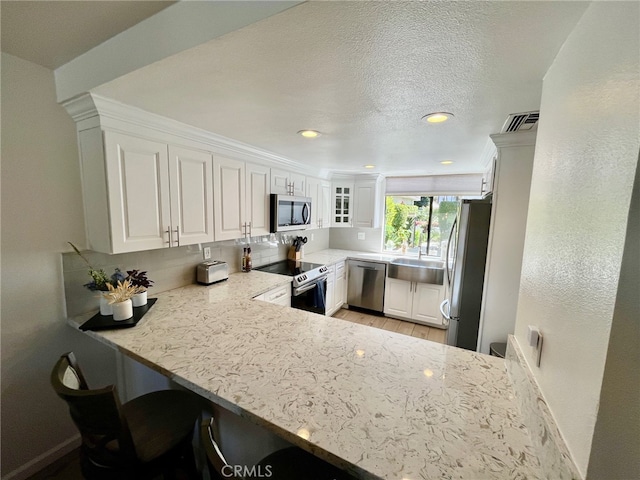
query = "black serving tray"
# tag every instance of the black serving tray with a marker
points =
(106, 322)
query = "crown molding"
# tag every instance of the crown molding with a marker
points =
(514, 139)
(117, 115)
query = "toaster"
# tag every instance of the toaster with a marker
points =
(212, 272)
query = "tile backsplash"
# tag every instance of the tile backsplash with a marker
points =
(175, 267)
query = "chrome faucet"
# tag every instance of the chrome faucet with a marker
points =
(420, 252)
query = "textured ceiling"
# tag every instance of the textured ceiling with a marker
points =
(51, 33)
(363, 74)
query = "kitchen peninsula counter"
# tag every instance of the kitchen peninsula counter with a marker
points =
(379, 404)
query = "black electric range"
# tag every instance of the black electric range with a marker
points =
(302, 272)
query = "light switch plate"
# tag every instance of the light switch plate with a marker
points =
(532, 336)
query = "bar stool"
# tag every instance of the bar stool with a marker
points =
(291, 463)
(148, 436)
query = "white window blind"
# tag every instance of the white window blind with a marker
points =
(460, 185)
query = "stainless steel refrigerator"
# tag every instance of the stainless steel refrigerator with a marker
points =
(466, 259)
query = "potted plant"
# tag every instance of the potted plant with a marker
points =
(139, 279)
(100, 281)
(119, 297)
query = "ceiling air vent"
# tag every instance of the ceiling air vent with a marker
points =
(517, 122)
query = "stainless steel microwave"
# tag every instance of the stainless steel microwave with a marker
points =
(289, 213)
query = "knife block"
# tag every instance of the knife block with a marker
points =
(293, 255)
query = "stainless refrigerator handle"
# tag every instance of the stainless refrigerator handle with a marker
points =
(446, 262)
(445, 315)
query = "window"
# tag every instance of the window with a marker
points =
(414, 222)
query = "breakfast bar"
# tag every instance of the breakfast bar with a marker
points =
(378, 404)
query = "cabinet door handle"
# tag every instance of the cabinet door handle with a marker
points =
(168, 232)
(177, 237)
(249, 228)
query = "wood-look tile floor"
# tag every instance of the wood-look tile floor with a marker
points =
(408, 328)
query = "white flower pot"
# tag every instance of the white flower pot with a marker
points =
(122, 310)
(105, 306)
(139, 299)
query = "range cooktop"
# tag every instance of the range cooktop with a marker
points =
(302, 272)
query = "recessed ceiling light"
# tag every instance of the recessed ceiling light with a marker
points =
(369, 166)
(437, 117)
(446, 162)
(309, 133)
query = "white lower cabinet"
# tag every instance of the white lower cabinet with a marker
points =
(279, 296)
(413, 301)
(330, 293)
(336, 288)
(340, 286)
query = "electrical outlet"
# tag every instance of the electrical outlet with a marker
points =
(207, 253)
(360, 235)
(312, 237)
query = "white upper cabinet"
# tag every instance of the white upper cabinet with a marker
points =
(138, 199)
(288, 183)
(342, 202)
(313, 192)
(257, 198)
(241, 199)
(320, 193)
(357, 201)
(142, 194)
(191, 187)
(298, 184)
(488, 177)
(324, 213)
(368, 203)
(365, 195)
(280, 182)
(229, 187)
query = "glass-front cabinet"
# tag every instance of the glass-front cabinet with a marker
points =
(343, 204)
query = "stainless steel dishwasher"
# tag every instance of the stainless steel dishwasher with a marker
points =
(366, 284)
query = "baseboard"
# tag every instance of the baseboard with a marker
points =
(47, 458)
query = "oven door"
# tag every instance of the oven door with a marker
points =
(311, 296)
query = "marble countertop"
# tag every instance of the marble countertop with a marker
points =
(379, 404)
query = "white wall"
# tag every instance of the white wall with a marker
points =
(585, 160)
(615, 451)
(347, 239)
(41, 211)
(172, 30)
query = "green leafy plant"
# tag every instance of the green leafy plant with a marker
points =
(100, 281)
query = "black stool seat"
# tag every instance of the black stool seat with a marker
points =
(159, 421)
(148, 436)
(287, 464)
(498, 349)
(295, 464)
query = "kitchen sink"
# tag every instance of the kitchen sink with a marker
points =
(417, 270)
